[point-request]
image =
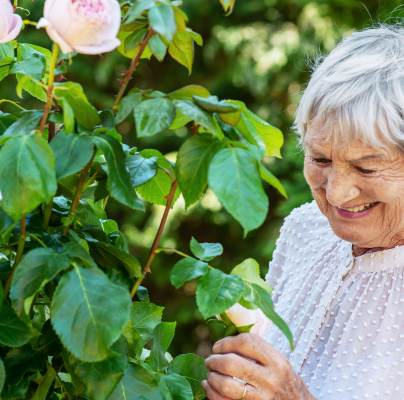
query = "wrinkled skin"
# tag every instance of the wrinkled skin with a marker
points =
(248, 357)
(337, 181)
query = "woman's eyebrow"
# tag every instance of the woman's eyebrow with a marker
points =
(369, 157)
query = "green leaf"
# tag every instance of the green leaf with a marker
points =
(35, 269)
(158, 47)
(13, 331)
(128, 104)
(175, 387)
(217, 291)
(153, 116)
(6, 53)
(249, 271)
(192, 165)
(2, 375)
(25, 124)
(262, 299)
(181, 49)
(136, 10)
(31, 86)
(192, 367)
(33, 66)
(268, 177)
(163, 335)
(187, 92)
(200, 117)
(137, 384)
(72, 93)
(130, 263)
(205, 251)
(162, 20)
(145, 317)
(141, 169)
(213, 104)
(77, 252)
(27, 174)
(102, 377)
(68, 116)
(88, 313)
(118, 183)
(72, 153)
(234, 178)
(187, 269)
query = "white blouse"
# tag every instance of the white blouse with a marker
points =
(346, 313)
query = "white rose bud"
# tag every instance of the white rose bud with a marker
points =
(10, 23)
(241, 316)
(84, 26)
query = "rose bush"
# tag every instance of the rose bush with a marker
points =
(10, 23)
(84, 26)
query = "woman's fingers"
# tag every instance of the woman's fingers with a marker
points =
(232, 364)
(211, 393)
(253, 347)
(229, 387)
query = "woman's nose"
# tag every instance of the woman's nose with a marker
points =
(340, 188)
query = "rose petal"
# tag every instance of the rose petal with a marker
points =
(15, 29)
(54, 35)
(100, 48)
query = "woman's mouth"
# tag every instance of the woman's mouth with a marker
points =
(358, 211)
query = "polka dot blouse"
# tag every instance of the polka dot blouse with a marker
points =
(346, 313)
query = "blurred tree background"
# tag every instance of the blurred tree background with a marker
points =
(260, 54)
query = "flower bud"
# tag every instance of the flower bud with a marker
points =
(84, 26)
(10, 23)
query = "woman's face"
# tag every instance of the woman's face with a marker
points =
(343, 176)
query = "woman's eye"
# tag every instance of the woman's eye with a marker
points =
(365, 171)
(321, 160)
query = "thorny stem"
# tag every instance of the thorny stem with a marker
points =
(51, 79)
(79, 191)
(20, 249)
(133, 65)
(157, 238)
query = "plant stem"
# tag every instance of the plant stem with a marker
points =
(79, 191)
(47, 214)
(51, 79)
(133, 65)
(172, 251)
(20, 249)
(157, 238)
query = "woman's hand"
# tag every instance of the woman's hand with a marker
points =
(248, 357)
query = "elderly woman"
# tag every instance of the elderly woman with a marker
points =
(338, 269)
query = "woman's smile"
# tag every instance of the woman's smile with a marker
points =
(357, 212)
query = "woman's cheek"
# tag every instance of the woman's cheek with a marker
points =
(315, 176)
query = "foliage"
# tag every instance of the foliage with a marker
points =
(76, 321)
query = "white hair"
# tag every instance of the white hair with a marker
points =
(358, 89)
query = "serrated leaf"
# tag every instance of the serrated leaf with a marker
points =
(6, 53)
(181, 49)
(128, 104)
(145, 317)
(162, 20)
(187, 92)
(137, 384)
(72, 153)
(213, 104)
(27, 174)
(102, 377)
(13, 331)
(192, 367)
(234, 178)
(31, 86)
(153, 116)
(141, 169)
(192, 165)
(163, 335)
(136, 10)
(187, 269)
(249, 270)
(158, 47)
(217, 291)
(36, 268)
(88, 313)
(25, 124)
(175, 387)
(84, 112)
(118, 182)
(205, 251)
(271, 179)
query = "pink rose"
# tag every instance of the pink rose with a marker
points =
(241, 316)
(10, 23)
(84, 26)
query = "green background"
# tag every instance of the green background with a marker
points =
(261, 54)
